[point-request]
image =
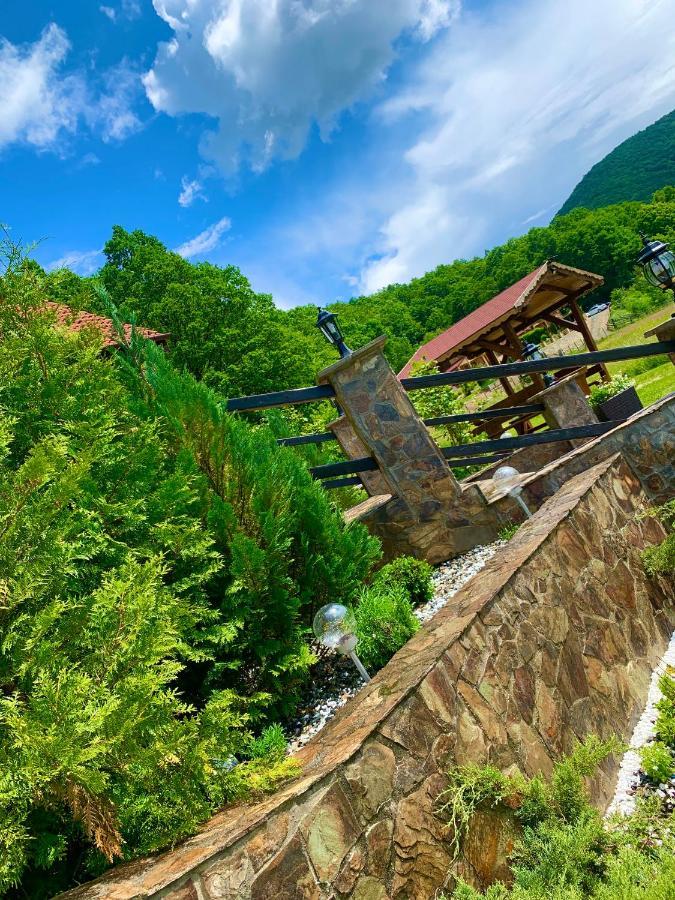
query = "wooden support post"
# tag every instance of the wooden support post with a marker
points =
(517, 345)
(589, 340)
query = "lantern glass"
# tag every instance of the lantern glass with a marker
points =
(506, 477)
(660, 270)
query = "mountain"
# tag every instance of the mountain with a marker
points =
(635, 169)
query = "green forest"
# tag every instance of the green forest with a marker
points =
(161, 560)
(634, 170)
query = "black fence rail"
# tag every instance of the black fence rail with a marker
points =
(504, 413)
(464, 376)
(473, 454)
(344, 474)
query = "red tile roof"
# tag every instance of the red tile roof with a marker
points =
(76, 321)
(493, 311)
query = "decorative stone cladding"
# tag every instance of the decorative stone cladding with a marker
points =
(646, 441)
(555, 638)
(422, 509)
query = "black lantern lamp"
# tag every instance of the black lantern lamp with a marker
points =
(327, 323)
(658, 263)
(533, 351)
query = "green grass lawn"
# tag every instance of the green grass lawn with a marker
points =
(654, 376)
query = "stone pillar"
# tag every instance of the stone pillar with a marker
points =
(566, 405)
(386, 423)
(416, 506)
(354, 448)
(664, 332)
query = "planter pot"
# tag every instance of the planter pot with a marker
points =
(620, 406)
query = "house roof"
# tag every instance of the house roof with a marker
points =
(78, 320)
(549, 283)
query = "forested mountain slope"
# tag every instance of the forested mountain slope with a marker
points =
(635, 169)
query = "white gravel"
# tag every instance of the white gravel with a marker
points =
(334, 678)
(449, 577)
(630, 777)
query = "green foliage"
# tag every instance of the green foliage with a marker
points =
(660, 560)
(159, 564)
(635, 301)
(239, 343)
(632, 171)
(384, 622)
(560, 802)
(665, 722)
(566, 851)
(658, 762)
(608, 389)
(413, 575)
(506, 532)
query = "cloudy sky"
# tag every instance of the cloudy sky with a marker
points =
(327, 147)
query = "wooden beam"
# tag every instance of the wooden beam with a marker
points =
(505, 383)
(589, 340)
(517, 345)
(491, 345)
(563, 323)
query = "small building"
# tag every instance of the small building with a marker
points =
(493, 332)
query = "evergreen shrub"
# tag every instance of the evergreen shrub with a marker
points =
(384, 623)
(410, 574)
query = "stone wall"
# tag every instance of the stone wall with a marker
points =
(557, 637)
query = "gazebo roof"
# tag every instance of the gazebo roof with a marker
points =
(543, 290)
(77, 321)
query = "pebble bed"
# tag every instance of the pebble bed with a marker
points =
(632, 782)
(334, 678)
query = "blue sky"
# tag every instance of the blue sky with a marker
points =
(327, 147)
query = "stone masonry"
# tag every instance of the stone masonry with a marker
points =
(422, 509)
(555, 638)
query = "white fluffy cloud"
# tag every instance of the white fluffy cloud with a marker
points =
(41, 104)
(516, 108)
(191, 190)
(267, 70)
(37, 105)
(206, 240)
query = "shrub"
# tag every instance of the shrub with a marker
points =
(506, 532)
(159, 563)
(657, 762)
(665, 722)
(607, 389)
(384, 622)
(413, 575)
(660, 560)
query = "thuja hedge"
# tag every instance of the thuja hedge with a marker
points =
(159, 563)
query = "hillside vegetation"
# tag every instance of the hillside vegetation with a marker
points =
(634, 170)
(237, 342)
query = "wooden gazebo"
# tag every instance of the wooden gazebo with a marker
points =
(492, 333)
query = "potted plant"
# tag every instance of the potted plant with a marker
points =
(616, 399)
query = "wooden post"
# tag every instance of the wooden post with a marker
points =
(517, 345)
(589, 340)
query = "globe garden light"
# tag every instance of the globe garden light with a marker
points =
(335, 627)
(327, 324)
(507, 477)
(533, 351)
(658, 263)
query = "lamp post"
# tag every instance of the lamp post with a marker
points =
(334, 627)
(327, 324)
(658, 263)
(533, 351)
